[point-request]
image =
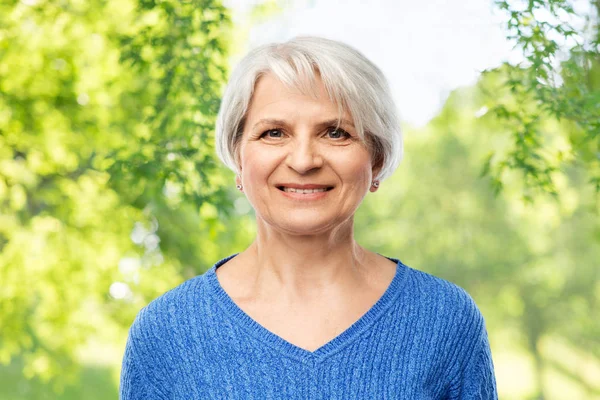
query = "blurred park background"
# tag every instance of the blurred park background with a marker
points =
(111, 194)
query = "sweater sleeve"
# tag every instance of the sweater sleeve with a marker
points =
(132, 385)
(476, 380)
(137, 363)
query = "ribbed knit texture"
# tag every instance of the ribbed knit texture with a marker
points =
(424, 339)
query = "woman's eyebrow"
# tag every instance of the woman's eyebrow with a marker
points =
(336, 122)
(270, 121)
(280, 122)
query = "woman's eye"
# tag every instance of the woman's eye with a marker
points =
(337, 133)
(272, 133)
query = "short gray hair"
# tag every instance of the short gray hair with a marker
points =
(352, 81)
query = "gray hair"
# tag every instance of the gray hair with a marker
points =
(352, 81)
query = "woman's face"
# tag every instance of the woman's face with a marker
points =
(301, 174)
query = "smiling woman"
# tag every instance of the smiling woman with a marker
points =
(305, 312)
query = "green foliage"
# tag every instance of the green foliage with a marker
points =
(95, 383)
(532, 270)
(106, 114)
(559, 79)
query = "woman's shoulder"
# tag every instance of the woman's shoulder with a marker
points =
(440, 297)
(173, 309)
(439, 313)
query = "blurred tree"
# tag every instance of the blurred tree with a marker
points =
(106, 114)
(533, 270)
(559, 78)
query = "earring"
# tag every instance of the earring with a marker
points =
(239, 187)
(375, 184)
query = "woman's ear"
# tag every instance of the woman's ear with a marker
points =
(377, 167)
(375, 173)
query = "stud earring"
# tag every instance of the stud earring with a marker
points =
(375, 184)
(239, 187)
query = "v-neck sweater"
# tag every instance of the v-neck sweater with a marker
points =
(424, 338)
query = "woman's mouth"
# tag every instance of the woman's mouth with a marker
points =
(303, 191)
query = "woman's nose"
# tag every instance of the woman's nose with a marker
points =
(304, 156)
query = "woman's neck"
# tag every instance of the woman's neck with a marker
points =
(303, 266)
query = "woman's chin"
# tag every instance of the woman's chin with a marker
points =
(305, 226)
(305, 230)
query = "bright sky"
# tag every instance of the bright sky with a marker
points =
(426, 49)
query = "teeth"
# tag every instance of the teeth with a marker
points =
(303, 191)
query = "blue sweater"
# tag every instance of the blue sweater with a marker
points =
(424, 339)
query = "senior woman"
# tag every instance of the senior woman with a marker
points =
(305, 312)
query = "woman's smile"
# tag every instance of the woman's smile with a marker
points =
(304, 192)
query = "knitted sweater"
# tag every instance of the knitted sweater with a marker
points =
(424, 339)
